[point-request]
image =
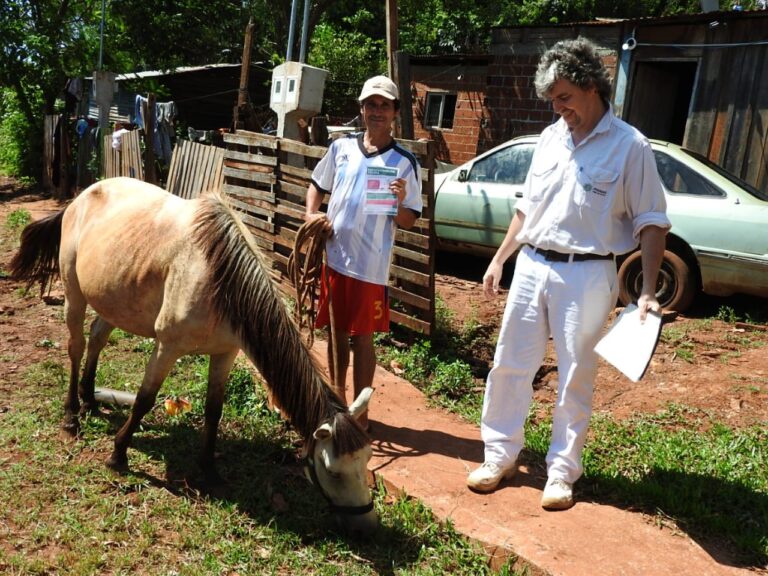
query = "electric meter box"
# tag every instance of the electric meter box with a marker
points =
(297, 87)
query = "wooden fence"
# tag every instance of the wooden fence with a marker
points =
(266, 178)
(195, 168)
(127, 161)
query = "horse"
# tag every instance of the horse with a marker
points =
(188, 274)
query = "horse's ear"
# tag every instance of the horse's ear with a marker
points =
(360, 404)
(323, 432)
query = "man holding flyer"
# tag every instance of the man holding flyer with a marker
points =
(374, 186)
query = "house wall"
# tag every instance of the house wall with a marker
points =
(471, 126)
(515, 108)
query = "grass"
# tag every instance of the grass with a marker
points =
(63, 512)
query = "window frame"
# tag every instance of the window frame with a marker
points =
(441, 113)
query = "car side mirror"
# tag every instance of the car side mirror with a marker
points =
(463, 175)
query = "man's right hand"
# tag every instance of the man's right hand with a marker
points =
(327, 229)
(492, 278)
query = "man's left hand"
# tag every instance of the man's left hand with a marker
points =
(647, 303)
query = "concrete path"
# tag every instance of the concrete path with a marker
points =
(427, 453)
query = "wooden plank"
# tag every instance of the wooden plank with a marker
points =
(742, 114)
(257, 223)
(246, 138)
(756, 138)
(419, 257)
(410, 322)
(256, 193)
(306, 150)
(248, 208)
(412, 238)
(184, 182)
(249, 167)
(296, 171)
(206, 167)
(410, 298)
(173, 168)
(293, 188)
(410, 275)
(249, 157)
(249, 176)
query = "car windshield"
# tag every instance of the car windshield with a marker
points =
(727, 175)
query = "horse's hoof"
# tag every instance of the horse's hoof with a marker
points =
(117, 463)
(71, 426)
(90, 408)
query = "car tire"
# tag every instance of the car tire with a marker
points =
(676, 286)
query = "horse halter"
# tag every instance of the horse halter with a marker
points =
(309, 466)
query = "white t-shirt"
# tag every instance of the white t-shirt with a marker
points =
(595, 197)
(361, 244)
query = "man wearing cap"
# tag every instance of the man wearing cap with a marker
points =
(374, 187)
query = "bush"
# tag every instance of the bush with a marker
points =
(15, 141)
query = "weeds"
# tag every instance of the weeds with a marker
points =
(17, 220)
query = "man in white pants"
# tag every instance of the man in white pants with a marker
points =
(593, 191)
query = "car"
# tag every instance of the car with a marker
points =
(718, 243)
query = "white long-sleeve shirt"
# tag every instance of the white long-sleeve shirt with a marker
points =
(595, 197)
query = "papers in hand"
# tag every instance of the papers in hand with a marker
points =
(629, 344)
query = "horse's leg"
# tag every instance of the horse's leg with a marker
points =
(218, 371)
(100, 331)
(160, 363)
(74, 312)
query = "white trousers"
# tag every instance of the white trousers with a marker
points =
(571, 302)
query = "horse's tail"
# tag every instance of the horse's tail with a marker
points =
(37, 260)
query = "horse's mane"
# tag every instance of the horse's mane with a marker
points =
(243, 294)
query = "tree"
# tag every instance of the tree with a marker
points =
(350, 58)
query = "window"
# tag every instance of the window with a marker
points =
(680, 179)
(440, 110)
(507, 166)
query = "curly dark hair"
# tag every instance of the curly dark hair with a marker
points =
(576, 61)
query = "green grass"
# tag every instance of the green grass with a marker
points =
(63, 512)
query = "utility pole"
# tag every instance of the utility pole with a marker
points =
(243, 115)
(392, 44)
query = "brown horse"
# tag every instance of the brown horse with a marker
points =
(188, 274)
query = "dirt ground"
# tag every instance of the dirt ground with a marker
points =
(717, 367)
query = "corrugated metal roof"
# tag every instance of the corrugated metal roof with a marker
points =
(179, 70)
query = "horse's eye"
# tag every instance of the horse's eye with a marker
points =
(332, 474)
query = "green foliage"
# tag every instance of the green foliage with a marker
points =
(17, 220)
(727, 314)
(17, 138)
(350, 57)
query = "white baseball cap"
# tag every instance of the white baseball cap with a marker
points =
(381, 86)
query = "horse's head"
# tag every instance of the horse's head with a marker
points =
(338, 465)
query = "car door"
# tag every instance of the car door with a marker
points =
(476, 203)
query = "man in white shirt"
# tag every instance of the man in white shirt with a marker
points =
(375, 187)
(592, 192)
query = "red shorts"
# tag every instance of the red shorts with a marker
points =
(359, 307)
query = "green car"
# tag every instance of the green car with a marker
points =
(719, 238)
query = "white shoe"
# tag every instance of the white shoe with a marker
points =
(558, 495)
(487, 477)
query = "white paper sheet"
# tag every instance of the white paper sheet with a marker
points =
(629, 344)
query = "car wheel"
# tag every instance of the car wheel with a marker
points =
(675, 288)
